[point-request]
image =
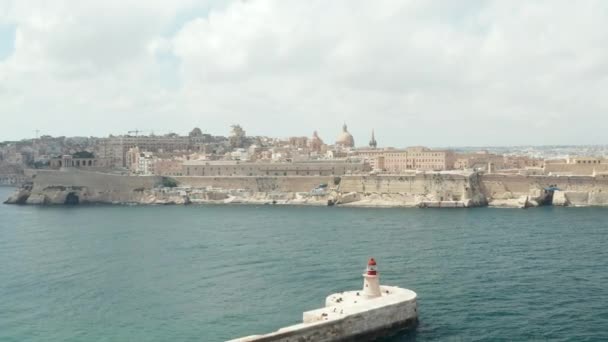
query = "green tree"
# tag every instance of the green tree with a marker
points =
(169, 182)
(83, 154)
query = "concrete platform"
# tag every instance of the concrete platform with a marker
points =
(374, 312)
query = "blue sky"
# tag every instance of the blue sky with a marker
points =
(436, 73)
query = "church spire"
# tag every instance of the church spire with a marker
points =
(373, 143)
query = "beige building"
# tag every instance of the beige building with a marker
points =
(298, 142)
(577, 166)
(396, 161)
(375, 158)
(412, 158)
(586, 160)
(426, 159)
(169, 167)
(70, 161)
(140, 162)
(115, 148)
(316, 144)
(236, 168)
(521, 162)
(479, 161)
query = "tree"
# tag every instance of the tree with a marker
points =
(169, 182)
(83, 154)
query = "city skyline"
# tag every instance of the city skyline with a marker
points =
(362, 142)
(472, 73)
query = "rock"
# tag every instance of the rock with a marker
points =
(217, 196)
(18, 197)
(522, 202)
(560, 199)
(348, 198)
(37, 199)
(55, 196)
(532, 203)
(509, 203)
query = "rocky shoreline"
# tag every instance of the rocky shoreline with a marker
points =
(72, 195)
(425, 190)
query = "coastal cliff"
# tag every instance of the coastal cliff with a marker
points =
(433, 189)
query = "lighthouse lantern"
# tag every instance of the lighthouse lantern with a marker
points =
(371, 280)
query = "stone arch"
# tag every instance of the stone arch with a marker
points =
(72, 199)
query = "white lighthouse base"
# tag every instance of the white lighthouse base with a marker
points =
(350, 316)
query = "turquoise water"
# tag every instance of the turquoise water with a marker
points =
(209, 273)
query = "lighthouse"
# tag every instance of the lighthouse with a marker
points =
(371, 280)
(376, 312)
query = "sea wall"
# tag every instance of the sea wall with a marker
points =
(446, 186)
(93, 180)
(571, 190)
(74, 186)
(430, 189)
(418, 189)
(258, 184)
(446, 189)
(366, 325)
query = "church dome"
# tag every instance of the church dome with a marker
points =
(345, 138)
(196, 132)
(315, 142)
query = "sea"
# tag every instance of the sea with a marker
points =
(212, 273)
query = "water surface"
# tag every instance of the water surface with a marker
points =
(210, 273)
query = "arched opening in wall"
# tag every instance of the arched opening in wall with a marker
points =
(72, 199)
(548, 192)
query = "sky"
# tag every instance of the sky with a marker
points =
(418, 72)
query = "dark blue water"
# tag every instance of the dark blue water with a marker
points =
(209, 273)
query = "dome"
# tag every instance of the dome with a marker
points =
(196, 132)
(315, 142)
(345, 139)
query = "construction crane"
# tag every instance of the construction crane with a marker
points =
(135, 131)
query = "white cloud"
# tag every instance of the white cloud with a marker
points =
(421, 72)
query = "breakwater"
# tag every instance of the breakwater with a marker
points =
(432, 189)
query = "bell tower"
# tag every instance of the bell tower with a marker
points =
(372, 142)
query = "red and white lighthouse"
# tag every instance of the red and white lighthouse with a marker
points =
(371, 280)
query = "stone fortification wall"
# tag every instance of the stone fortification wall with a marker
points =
(573, 190)
(73, 186)
(496, 184)
(93, 180)
(428, 189)
(448, 186)
(421, 189)
(258, 184)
